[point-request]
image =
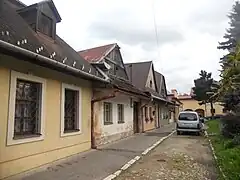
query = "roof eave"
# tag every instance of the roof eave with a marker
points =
(15, 49)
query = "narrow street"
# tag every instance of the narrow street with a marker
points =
(185, 157)
(98, 164)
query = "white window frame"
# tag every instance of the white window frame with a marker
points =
(79, 122)
(11, 109)
(107, 123)
(122, 121)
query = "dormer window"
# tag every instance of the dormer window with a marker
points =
(46, 25)
(42, 17)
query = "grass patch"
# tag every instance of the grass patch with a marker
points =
(228, 156)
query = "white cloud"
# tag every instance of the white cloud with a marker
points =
(188, 31)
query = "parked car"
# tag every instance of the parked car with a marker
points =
(189, 121)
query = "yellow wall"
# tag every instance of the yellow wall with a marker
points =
(193, 104)
(22, 157)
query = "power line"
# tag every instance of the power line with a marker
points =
(155, 27)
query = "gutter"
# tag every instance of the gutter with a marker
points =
(151, 100)
(93, 138)
(130, 92)
(41, 58)
(162, 100)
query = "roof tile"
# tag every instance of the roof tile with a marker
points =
(97, 53)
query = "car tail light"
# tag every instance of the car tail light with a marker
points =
(198, 126)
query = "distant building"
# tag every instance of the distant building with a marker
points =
(188, 103)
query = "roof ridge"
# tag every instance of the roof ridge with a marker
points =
(97, 47)
(138, 62)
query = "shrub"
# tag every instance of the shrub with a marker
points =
(236, 140)
(230, 125)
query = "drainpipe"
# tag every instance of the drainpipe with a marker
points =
(41, 58)
(93, 138)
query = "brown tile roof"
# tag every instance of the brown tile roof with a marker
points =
(159, 78)
(126, 86)
(138, 73)
(16, 31)
(184, 97)
(96, 54)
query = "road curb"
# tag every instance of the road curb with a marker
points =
(134, 160)
(214, 155)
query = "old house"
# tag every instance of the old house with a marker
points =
(116, 108)
(46, 90)
(177, 107)
(156, 111)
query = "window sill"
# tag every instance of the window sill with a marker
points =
(121, 122)
(108, 123)
(71, 132)
(23, 139)
(17, 137)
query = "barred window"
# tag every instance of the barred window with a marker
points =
(71, 107)
(120, 113)
(27, 117)
(107, 113)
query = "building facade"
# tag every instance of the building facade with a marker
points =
(116, 107)
(45, 91)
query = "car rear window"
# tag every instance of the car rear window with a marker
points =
(187, 117)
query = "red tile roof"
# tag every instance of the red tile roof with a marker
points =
(185, 96)
(97, 53)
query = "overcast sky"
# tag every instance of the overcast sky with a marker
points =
(188, 32)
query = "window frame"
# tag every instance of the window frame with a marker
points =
(111, 114)
(150, 84)
(120, 121)
(11, 140)
(79, 122)
(150, 112)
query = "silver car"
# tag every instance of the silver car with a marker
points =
(189, 121)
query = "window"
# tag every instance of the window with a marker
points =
(71, 110)
(188, 116)
(150, 112)
(26, 118)
(146, 112)
(27, 108)
(107, 113)
(46, 25)
(151, 84)
(120, 113)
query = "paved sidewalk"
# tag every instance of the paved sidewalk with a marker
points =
(98, 164)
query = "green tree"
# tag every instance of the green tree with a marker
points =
(232, 36)
(229, 91)
(203, 89)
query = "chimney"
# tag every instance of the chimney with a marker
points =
(175, 93)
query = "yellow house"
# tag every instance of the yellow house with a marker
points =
(189, 103)
(46, 91)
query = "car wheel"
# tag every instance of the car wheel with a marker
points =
(198, 133)
(178, 132)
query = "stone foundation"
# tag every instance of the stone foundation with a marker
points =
(108, 139)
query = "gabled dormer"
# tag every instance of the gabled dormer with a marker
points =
(108, 58)
(42, 17)
(151, 81)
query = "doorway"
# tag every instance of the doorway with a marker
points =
(135, 117)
